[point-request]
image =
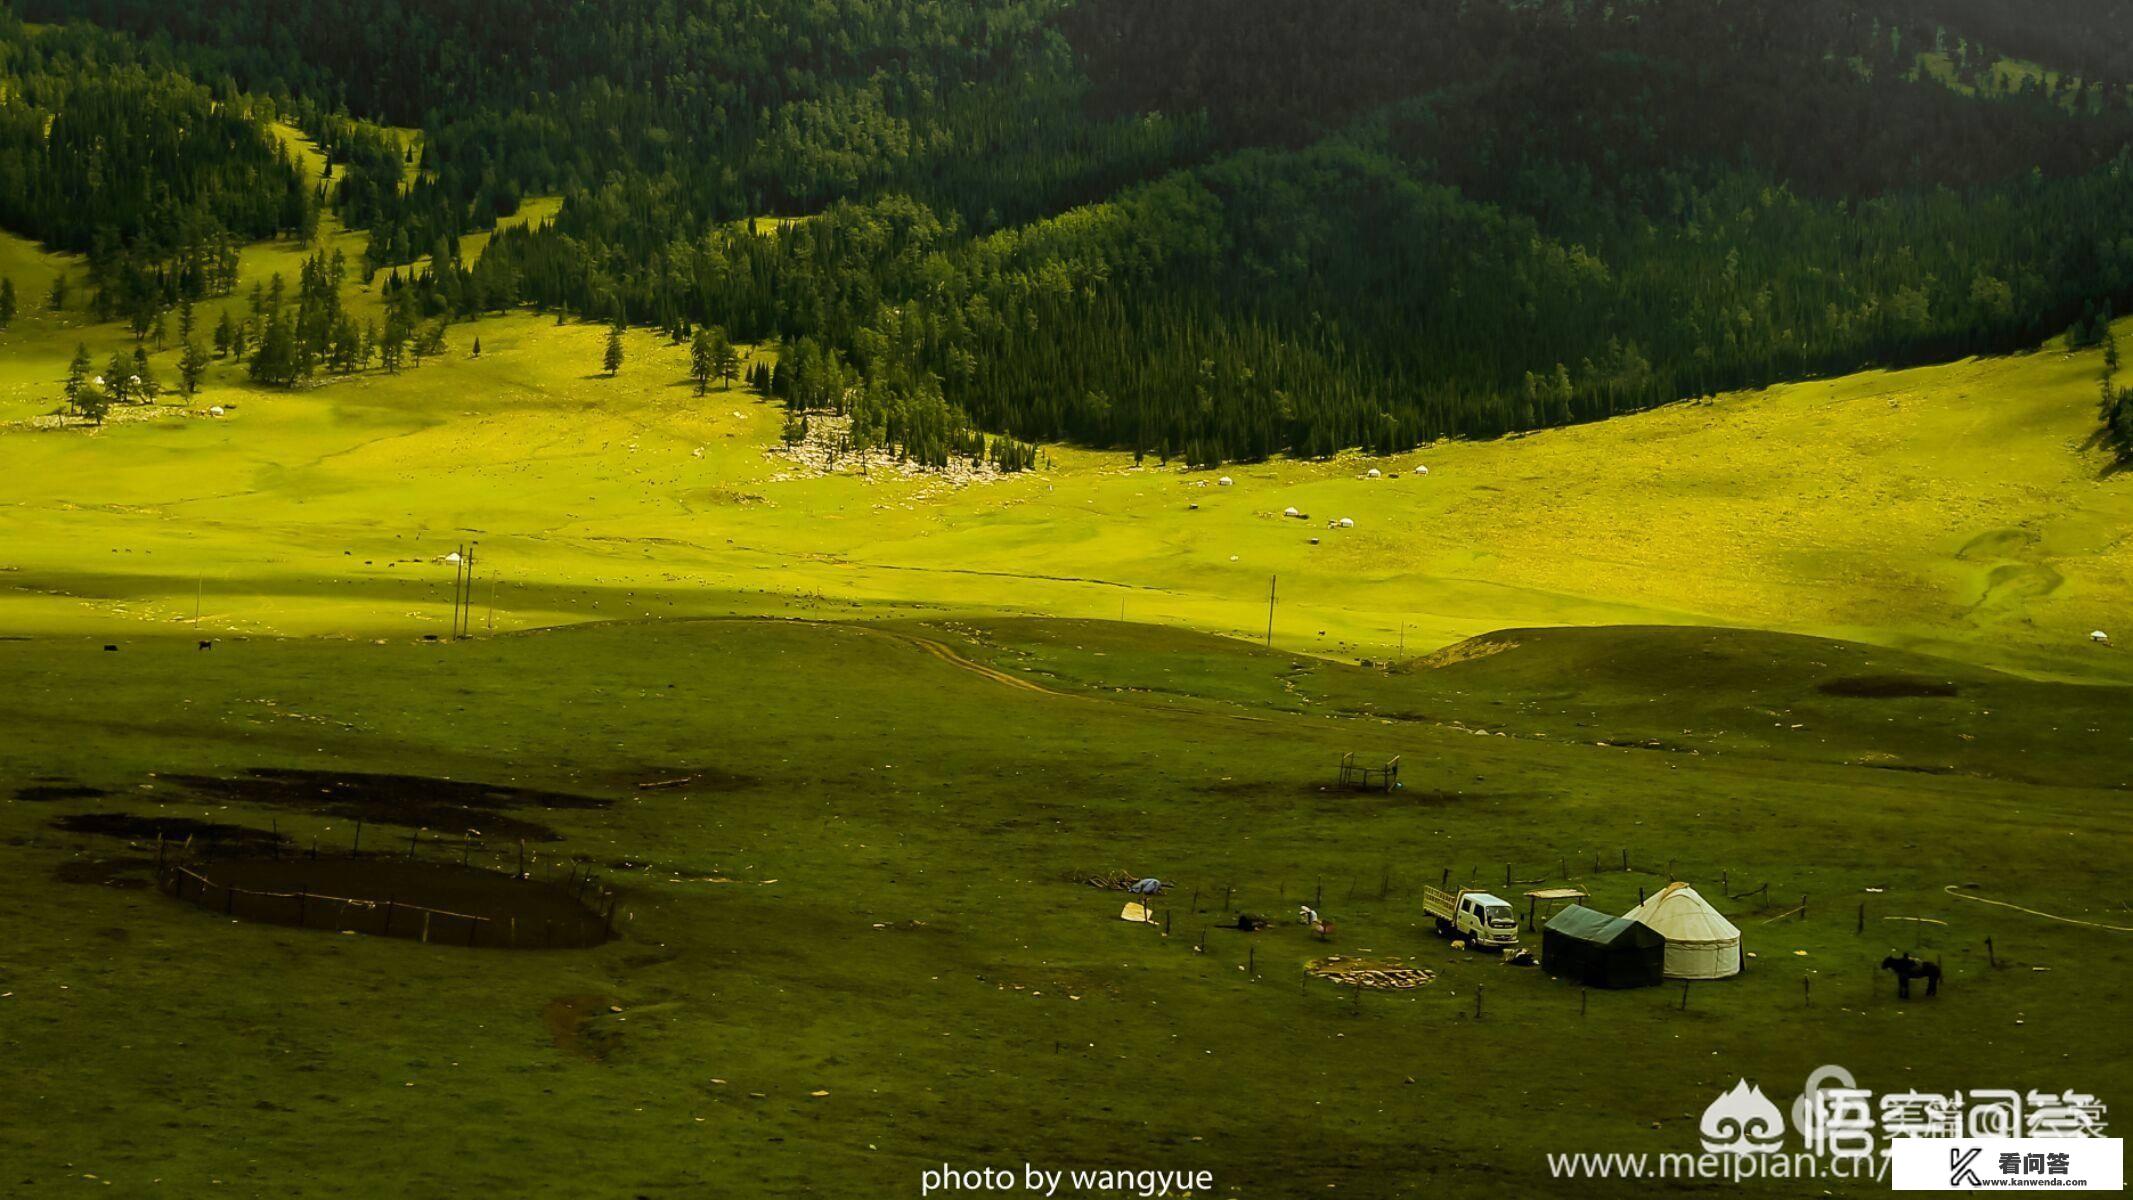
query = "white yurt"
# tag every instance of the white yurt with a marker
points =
(2098, 635)
(1225, 481)
(1290, 511)
(1700, 943)
(1347, 522)
(1373, 473)
(1421, 470)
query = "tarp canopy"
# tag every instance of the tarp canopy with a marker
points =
(1700, 942)
(1601, 951)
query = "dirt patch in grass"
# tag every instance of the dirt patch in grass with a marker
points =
(48, 793)
(578, 1026)
(411, 801)
(445, 903)
(1887, 687)
(691, 779)
(171, 829)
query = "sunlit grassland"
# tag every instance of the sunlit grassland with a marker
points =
(1963, 509)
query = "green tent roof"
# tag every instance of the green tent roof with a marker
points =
(1590, 925)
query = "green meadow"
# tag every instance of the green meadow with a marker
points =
(856, 943)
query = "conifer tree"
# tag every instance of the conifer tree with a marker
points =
(78, 375)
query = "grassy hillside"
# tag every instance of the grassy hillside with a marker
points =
(855, 945)
(1960, 510)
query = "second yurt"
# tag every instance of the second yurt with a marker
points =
(1700, 942)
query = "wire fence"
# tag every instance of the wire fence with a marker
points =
(423, 899)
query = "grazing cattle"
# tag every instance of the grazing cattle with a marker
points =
(207, 645)
(1907, 969)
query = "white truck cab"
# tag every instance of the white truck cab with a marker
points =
(1482, 919)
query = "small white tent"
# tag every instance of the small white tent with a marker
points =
(1700, 943)
(1225, 481)
(1373, 473)
(1347, 522)
(1290, 512)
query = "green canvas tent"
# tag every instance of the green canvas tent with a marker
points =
(1601, 951)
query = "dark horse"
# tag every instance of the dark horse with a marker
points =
(1907, 969)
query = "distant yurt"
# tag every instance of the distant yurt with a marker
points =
(1290, 512)
(1347, 522)
(2098, 635)
(1373, 473)
(1601, 951)
(1421, 470)
(1225, 481)
(1700, 943)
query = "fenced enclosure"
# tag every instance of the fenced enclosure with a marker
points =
(383, 895)
(1365, 778)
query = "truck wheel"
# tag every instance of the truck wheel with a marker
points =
(1444, 927)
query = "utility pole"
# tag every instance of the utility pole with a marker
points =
(1271, 580)
(459, 570)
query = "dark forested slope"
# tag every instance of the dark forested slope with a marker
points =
(1222, 228)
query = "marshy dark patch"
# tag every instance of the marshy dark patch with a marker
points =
(411, 801)
(171, 829)
(1888, 687)
(126, 874)
(1257, 788)
(50, 793)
